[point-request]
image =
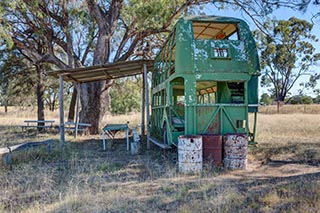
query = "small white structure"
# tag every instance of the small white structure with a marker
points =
(135, 144)
(190, 153)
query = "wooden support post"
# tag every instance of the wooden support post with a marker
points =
(77, 111)
(254, 126)
(143, 106)
(146, 86)
(62, 138)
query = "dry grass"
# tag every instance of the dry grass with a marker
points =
(290, 109)
(16, 116)
(83, 178)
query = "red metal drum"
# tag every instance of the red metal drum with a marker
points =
(212, 148)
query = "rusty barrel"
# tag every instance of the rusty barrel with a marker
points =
(190, 153)
(235, 151)
(212, 148)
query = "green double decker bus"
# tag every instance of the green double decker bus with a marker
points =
(205, 80)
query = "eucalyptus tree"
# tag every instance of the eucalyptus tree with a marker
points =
(286, 54)
(42, 32)
(124, 26)
(15, 78)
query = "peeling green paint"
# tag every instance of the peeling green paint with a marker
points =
(209, 71)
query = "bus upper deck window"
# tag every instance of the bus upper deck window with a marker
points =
(234, 36)
(215, 30)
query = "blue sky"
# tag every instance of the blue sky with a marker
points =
(282, 13)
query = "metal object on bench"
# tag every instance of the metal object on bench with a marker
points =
(6, 153)
(136, 137)
(111, 129)
(135, 144)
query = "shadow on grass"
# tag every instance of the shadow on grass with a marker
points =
(82, 177)
(295, 153)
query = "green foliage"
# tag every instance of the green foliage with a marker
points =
(313, 80)
(295, 100)
(316, 100)
(16, 78)
(306, 99)
(150, 14)
(300, 99)
(266, 99)
(286, 54)
(126, 96)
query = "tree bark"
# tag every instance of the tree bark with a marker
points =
(94, 96)
(40, 92)
(94, 103)
(6, 106)
(53, 105)
(72, 105)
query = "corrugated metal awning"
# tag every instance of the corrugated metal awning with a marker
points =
(104, 72)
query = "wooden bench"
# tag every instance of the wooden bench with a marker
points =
(6, 153)
(159, 143)
(71, 126)
(38, 124)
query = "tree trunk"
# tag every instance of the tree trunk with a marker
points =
(72, 105)
(282, 96)
(53, 105)
(94, 104)
(40, 92)
(6, 105)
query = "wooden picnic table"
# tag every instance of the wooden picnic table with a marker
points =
(37, 124)
(111, 129)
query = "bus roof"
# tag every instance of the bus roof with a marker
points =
(212, 19)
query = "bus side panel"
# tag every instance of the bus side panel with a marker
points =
(221, 119)
(253, 94)
(156, 122)
(253, 59)
(235, 60)
(208, 119)
(190, 101)
(185, 46)
(234, 119)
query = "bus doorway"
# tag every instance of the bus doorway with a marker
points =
(176, 115)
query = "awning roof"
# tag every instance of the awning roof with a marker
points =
(104, 72)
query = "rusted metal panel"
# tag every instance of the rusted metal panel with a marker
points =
(235, 151)
(212, 148)
(104, 71)
(190, 153)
